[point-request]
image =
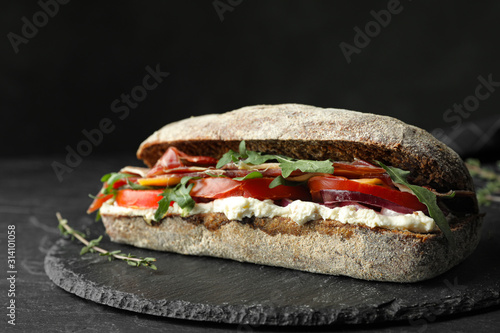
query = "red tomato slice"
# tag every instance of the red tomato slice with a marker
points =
(98, 201)
(258, 188)
(102, 198)
(138, 198)
(216, 188)
(316, 184)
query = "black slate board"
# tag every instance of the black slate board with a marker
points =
(211, 289)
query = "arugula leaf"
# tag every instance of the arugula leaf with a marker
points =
(282, 181)
(106, 177)
(215, 175)
(424, 196)
(230, 156)
(253, 157)
(245, 156)
(242, 148)
(179, 194)
(111, 179)
(288, 166)
(251, 175)
(257, 158)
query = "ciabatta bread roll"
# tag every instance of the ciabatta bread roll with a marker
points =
(355, 220)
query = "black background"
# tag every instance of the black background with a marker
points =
(64, 79)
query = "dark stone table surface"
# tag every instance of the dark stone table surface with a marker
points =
(31, 193)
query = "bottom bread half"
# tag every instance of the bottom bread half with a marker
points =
(320, 246)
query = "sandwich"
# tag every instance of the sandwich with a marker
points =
(326, 191)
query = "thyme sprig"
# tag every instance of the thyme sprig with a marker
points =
(92, 246)
(490, 192)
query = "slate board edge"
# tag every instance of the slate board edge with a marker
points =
(257, 314)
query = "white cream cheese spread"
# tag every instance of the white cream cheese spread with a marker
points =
(236, 208)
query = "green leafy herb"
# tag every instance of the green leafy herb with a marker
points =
(65, 230)
(278, 181)
(282, 181)
(245, 156)
(287, 164)
(215, 175)
(424, 196)
(230, 156)
(243, 149)
(251, 175)
(92, 246)
(110, 179)
(179, 194)
(98, 216)
(106, 177)
(490, 191)
(257, 158)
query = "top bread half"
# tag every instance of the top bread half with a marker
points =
(307, 132)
